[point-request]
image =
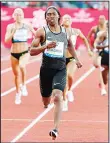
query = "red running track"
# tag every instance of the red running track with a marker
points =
(86, 120)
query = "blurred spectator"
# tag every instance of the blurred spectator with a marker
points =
(61, 4)
(50, 3)
(37, 4)
(33, 4)
(97, 5)
(66, 4)
(4, 4)
(15, 4)
(78, 4)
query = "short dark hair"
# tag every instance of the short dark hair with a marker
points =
(53, 7)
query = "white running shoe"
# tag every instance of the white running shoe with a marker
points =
(65, 105)
(103, 92)
(70, 96)
(18, 98)
(24, 90)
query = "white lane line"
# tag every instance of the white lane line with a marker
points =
(13, 89)
(35, 77)
(17, 120)
(82, 77)
(6, 70)
(32, 123)
(48, 109)
(9, 69)
(81, 121)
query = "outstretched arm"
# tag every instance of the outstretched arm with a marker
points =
(72, 51)
(31, 29)
(90, 34)
(81, 35)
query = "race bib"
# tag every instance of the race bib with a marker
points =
(55, 52)
(106, 49)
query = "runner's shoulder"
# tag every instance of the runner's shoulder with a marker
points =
(94, 28)
(40, 32)
(76, 31)
(10, 26)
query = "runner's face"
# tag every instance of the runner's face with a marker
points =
(18, 15)
(52, 17)
(102, 20)
(66, 21)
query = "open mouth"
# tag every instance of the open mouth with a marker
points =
(67, 22)
(52, 20)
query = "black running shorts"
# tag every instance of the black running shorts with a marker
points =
(105, 58)
(51, 79)
(69, 59)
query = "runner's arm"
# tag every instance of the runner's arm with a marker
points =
(36, 47)
(81, 35)
(9, 33)
(31, 29)
(90, 33)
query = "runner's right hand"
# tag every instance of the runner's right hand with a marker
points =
(51, 45)
(14, 29)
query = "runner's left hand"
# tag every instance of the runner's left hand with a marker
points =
(90, 53)
(79, 65)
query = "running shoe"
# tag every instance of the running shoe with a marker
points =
(65, 105)
(53, 133)
(103, 92)
(18, 98)
(24, 90)
(70, 96)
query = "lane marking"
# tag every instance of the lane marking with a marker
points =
(9, 69)
(36, 77)
(81, 121)
(32, 123)
(14, 88)
(17, 120)
(25, 130)
(82, 77)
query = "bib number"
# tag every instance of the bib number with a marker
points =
(55, 52)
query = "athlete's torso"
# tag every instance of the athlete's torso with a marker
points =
(55, 57)
(21, 34)
(97, 30)
(19, 39)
